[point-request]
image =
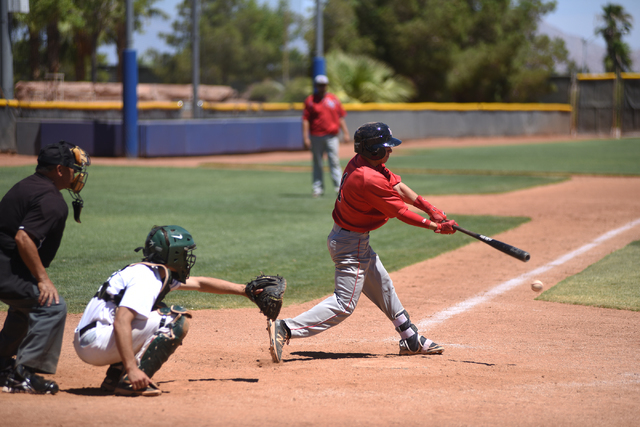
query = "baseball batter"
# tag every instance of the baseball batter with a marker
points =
(369, 195)
(126, 326)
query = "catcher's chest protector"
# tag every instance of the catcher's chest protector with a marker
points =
(104, 295)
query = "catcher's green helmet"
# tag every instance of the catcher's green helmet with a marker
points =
(172, 246)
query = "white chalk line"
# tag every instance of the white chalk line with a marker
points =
(512, 283)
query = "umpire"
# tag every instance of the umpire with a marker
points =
(33, 214)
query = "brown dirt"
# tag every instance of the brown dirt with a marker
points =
(511, 360)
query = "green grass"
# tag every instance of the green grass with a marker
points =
(264, 220)
(607, 157)
(552, 160)
(610, 283)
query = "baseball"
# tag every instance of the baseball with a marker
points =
(536, 285)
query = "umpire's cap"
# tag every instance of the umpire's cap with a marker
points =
(58, 153)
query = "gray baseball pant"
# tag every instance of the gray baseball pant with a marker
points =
(331, 145)
(358, 270)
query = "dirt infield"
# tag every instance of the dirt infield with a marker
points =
(508, 360)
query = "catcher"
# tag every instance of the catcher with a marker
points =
(126, 325)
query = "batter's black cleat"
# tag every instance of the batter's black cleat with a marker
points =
(421, 345)
(22, 380)
(279, 335)
(114, 373)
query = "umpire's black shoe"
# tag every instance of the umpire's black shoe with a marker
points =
(23, 380)
(279, 335)
(6, 367)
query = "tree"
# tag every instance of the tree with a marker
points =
(48, 20)
(359, 78)
(63, 33)
(95, 14)
(617, 23)
(457, 50)
(241, 42)
(340, 29)
(115, 32)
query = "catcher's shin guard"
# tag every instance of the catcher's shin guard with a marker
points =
(166, 340)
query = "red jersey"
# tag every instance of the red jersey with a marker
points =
(367, 199)
(323, 115)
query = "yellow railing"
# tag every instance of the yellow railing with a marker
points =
(416, 106)
(83, 105)
(287, 106)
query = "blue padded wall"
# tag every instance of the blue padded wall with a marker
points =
(162, 138)
(108, 139)
(220, 136)
(76, 132)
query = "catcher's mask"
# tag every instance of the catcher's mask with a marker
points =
(69, 155)
(172, 246)
(371, 139)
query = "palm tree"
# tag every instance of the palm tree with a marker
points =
(617, 23)
(359, 78)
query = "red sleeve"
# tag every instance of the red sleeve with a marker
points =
(414, 219)
(383, 197)
(394, 179)
(391, 177)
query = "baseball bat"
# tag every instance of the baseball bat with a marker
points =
(496, 244)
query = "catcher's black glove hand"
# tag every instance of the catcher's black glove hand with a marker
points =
(269, 300)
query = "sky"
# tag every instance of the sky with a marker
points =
(574, 17)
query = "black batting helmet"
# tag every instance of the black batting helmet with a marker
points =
(371, 139)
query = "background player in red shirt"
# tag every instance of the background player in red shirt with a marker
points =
(369, 195)
(322, 119)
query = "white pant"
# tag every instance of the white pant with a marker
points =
(97, 346)
(358, 269)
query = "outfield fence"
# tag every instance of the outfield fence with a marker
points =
(608, 103)
(254, 127)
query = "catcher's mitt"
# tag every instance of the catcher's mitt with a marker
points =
(269, 301)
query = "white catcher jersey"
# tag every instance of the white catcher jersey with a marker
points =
(142, 284)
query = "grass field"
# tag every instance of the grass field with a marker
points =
(592, 157)
(610, 283)
(250, 221)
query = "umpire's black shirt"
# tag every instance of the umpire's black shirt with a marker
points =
(36, 206)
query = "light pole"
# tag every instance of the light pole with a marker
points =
(319, 66)
(129, 89)
(195, 56)
(6, 72)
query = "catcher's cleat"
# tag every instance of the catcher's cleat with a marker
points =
(22, 380)
(124, 388)
(278, 336)
(423, 346)
(114, 373)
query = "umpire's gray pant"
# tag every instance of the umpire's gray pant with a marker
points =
(358, 270)
(31, 332)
